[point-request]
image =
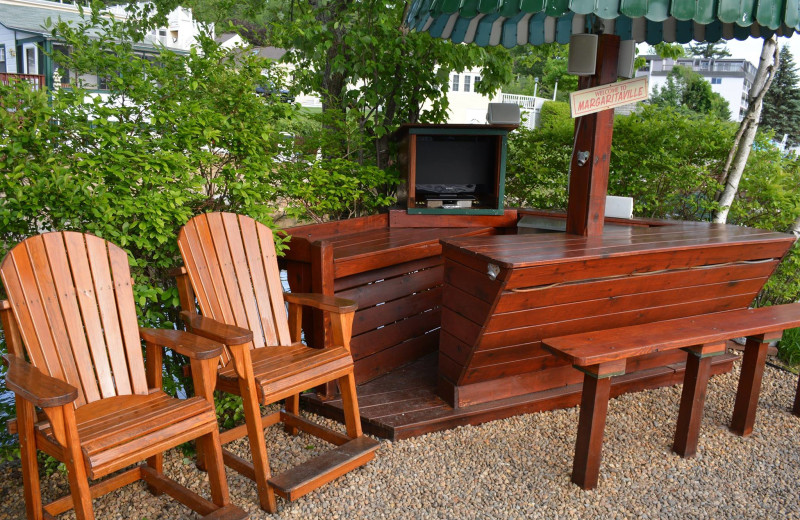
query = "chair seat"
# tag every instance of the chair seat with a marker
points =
(119, 431)
(284, 371)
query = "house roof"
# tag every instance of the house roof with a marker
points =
(271, 53)
(32, 19)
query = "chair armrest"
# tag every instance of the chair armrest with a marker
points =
(32, 385)
(216, 330)
(322, 301)
(190, 345)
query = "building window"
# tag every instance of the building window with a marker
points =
(2, 58)
(61, 75)
(466, 83)
(716, 81)
(477, 80)
(455, 83)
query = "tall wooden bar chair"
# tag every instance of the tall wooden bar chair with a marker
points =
(232, 271)
(71, 309)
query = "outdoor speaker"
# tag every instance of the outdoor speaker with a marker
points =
(582, 54)
(627, 54)
(503, 114)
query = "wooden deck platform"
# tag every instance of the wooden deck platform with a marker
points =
(404, 404)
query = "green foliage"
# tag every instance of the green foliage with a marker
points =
(668, 50)
(781, 109)
(230, 410)
(708, 49)
(789, 347)
(548, 64)
(538, 160)
(171, 138)
(356, 58)
(668, 160)
(688, 90)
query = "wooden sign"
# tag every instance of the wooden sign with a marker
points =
(604, 97)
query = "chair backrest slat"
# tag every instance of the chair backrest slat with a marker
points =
(270, 259)
(72, 299)
(232, 257)
(41, 267)
(84, 286)
(68, 301)
(106, 304)
(233, 236)
(255, 262)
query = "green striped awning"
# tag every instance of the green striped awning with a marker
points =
(519, 22)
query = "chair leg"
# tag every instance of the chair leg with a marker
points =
(157, 463)
(211, 449)
(76, 468)
(258, 447)
(352, 417)
(292, 406)
(744, 408)
(26, 417)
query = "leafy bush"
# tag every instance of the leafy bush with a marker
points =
(668, 161)
(537, 164)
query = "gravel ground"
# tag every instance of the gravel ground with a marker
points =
(520, 468)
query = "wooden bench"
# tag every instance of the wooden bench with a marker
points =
(603, 354)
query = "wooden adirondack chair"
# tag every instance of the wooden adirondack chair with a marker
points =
(232, 270)
(70, 303)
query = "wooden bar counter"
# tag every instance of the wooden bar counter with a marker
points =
(503, 294)
(496, 290)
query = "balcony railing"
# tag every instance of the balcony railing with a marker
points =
(37, 80)
(528, 102)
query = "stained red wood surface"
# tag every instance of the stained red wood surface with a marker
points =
(609, 345)
(553, 284)
(391, 266)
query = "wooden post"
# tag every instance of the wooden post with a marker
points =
(753, 361)
(693, 397)
(588, 183)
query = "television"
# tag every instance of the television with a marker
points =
(454, 168)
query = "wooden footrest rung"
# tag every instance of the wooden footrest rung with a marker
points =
(308, 476)
(229, 512)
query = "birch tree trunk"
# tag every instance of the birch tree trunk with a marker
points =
(743, 141)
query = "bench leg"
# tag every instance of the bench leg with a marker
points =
(592, 422)
(693, 398)
(744, 410)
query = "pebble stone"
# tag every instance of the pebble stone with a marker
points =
(520, 468)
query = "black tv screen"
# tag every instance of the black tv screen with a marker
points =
(457, 160)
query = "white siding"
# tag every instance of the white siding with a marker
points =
(7, 39)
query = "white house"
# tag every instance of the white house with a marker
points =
(731, 78)
(25, 43)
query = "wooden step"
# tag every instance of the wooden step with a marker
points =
(296, 482)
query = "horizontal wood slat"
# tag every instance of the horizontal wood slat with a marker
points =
(583, 290)
(393, 288)
(377, 340)
(396, 310)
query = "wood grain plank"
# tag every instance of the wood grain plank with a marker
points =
(638, 316)
(128, 322)
(375, 341)
(81, 274)
(59, 265)
(270, 263)
(582, 290)
(97, 252)
(243, 279)
(395, 310)
(378, 275)
(391, 289)
(50, 305)
(255, 264)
